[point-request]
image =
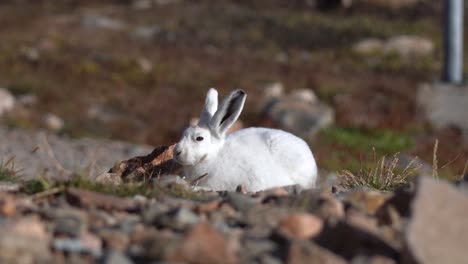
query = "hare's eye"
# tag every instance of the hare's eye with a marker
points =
(199, 138)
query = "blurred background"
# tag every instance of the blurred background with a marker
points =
(343, 74)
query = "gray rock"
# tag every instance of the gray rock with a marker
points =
(437, 231)
(53, 122)
(239, 201)
(299, 112)
(87, 244)
(95, 21)
(68, 221)
(178, 219)
(116, 257)
(444, 104)
(7, 101)
(146, 32)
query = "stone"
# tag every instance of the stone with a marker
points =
(299, 112)
(25, 241)
(86, 244)
(301, 225)
(7, 101)
(369, 46)
(146, 32)
(7, 204)
(443, 105)
(68, 221)
(409, 46)
(53, 122)
(348, 239)
(367, 200)
(240, 201)
(95, 21)
(116, 257)
(9, 186)
(114, 239)
(437, 231)
(178, 219)
(89, 199)
(203, 244)
(302, 252)
(158, 163)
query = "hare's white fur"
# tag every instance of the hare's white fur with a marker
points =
(258, 158)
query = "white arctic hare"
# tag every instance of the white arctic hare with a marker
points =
(258, 158)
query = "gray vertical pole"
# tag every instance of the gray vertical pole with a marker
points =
(453, 41)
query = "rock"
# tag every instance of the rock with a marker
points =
(301, 226)
(145, 65)
(300, 112)
(437, 231)
(116, 257)
(89, 199)
(86, 244)
(404, 46)
(158, 163)
(9, 186)
(409, 46)
(25, 241)
(142, 4)
(367, 200)
(256, 248)
(239, 201)
(146, 32)
(203, 244)
(306, 252)
(69, 222)
(53, 122)
(368, 46)
(95, 21)
(7, 101)
(114, 239)
(178, 219)
(348, 239)
(443, 104)
(7, 204)
(28, 100)
(30, 53)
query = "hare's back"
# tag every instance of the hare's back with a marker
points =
(284, 149)
(284, 146)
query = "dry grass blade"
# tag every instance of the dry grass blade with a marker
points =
(435, 167)
(382, 174)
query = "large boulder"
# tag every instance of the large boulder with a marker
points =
(437, 231)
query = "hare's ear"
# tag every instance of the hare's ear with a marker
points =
(210, 107)
(228, 112)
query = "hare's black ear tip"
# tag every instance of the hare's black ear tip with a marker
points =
(241, 92)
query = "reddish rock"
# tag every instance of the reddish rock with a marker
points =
(437, 231)
(7, 204)
(206, 245)
(301, 225)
